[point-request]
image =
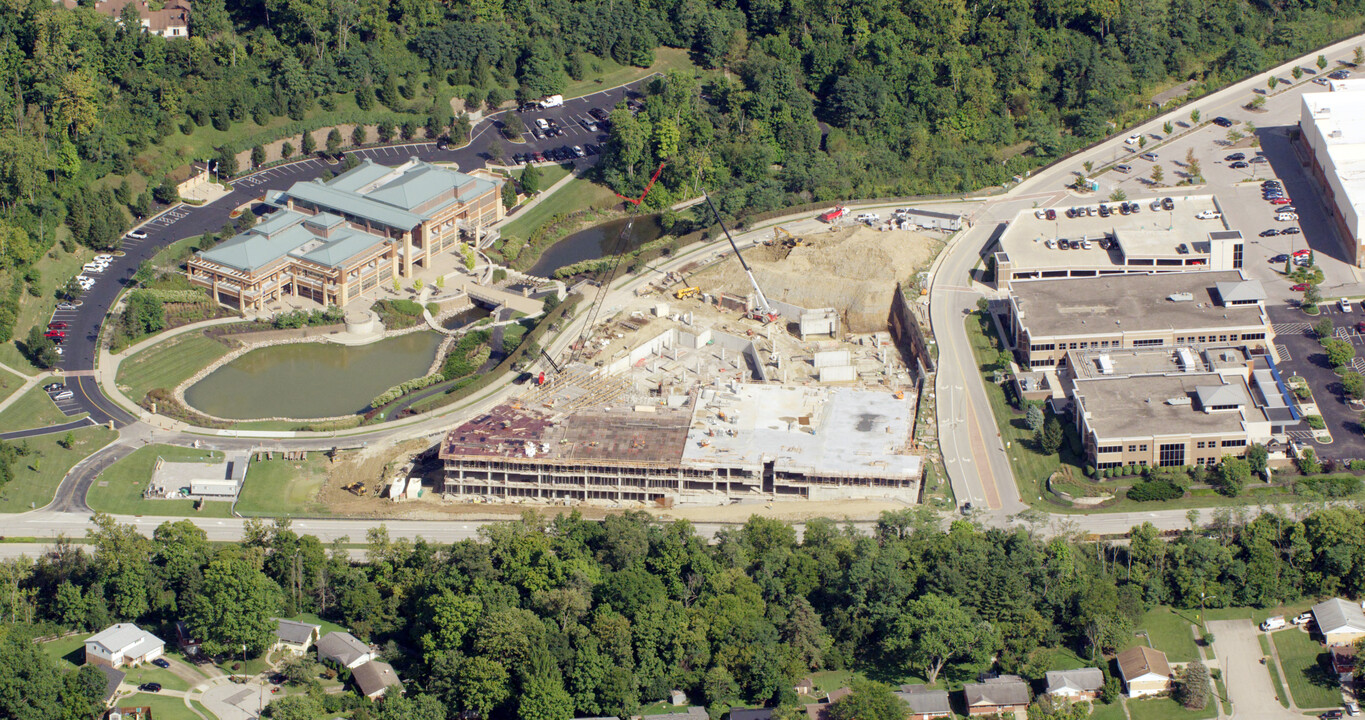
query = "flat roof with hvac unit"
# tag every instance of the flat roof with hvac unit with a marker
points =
(1132, 303)
(1333, 131)
(1151, 405)
(206, 480)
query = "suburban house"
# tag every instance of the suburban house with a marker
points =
(1079, 684)
(1004, 694)
(112, 679)
(295, 637)
(1344, 662)
(123, 644)
(1144, 671)
(691, 713)
(743, 713)
(185, 640)
(170, 19)
(332, 242)
(1339, 621)
(925, 702)
(344, 649)
(374, 678)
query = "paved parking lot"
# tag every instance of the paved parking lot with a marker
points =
(574, 122)
(1248, 681)
(1301, 354)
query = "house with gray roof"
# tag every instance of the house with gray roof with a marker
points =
(374, 679)
(925, 702)
(295, 637)
(1078, 684)
(1003, 694)
(1339, 621)
(336, 240)
(344, 649)
(112, 679)
(123, 644)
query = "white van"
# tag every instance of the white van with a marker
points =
(553, 101)
(1273, 623)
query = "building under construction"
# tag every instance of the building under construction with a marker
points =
(717, 444)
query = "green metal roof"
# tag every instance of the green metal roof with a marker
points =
(342, 246)
(286, 233)
(366, 173)
(355, 204)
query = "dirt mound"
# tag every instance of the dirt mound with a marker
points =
(853, 270)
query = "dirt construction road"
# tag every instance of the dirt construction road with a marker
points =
(1249, 687)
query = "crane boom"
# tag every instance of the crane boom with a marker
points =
(763, 306)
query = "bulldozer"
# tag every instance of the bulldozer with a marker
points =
(356, 488)
(686, 292)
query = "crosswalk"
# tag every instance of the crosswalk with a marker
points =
(1282, 353)
(1291, 328)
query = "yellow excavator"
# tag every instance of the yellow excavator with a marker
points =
(686, 292)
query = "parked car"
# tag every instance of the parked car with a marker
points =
(1299, 288)
(150, 687)
(54, 387)
(137, 235)
(1149, 156)
(1209, 215)
(1235, 157)
(1302, 253)
(1286, 217)
(1291, 230)
(1279, 200)
(1344, 304)
(55, 334)
(1124, 168)
(1304, 618)
(1339, 74)
(1222, 122)
(58, 325)
(1259, 159)
(1239, 165)
(1352, 708)
(1167, 204)
(1272, 232)
(1133, 139)
(161, 663)
(1279, 258)
(66, 306)
(1330, 714)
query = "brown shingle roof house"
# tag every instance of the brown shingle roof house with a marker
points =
(1144, 670)
(925, 702)
(1003, 694)
(374, 679)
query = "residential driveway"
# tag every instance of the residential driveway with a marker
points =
(1249, 687)
(230, 701)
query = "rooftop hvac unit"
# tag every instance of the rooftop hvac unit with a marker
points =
(1106, 364)
(1182, 400)
(1186, 358)
(1180, 297)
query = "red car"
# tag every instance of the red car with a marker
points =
(57, 325)
(54, 334)
(1279, 201)
(1360, 327)
(1302, 253)
(1300, 287)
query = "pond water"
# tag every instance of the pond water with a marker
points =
(465, 317)
(311, 380)
(595, 242)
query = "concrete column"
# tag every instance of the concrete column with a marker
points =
(407, 254)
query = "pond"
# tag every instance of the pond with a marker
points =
(595, 242)
(311, 380)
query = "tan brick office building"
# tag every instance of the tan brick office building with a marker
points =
(1048, 318)
(336, 240)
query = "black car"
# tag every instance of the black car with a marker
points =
(150, 687)
(1294, 230)
(1339, 75)
(599, 113)
(54, 387)
(1239, 165)
(1223, 122)
(1235, 157)
(1279, 258)
(1272, 232)
(1167, 204)
(1271, 184)
(161, 663)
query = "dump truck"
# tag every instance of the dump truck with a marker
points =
(838, 212)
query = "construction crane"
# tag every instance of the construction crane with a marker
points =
(605, 279)
(762, 312)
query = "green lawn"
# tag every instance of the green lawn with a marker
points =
(54, 269)
(148, 672)
(284, 487)
(119, 489)
(1280, 694)
(1164, 708)
(1169, 631)
(327, 625)
(9, 382)
(163, 707)
(1064, 659)
(33, 409)
(608, 73)
(68, 652)
(37, 475)
(579, 194)
(1112, 711)
(1304, 662)
(167, 364)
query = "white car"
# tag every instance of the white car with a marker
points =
(1040, 213)
(1345, 305)
(1133, 139)
(1209, 215)
(93, 267)
(137, 235)
(82, 279)
(1287, 217)
(64, 395)
(868, 218)
(1303, 619)
(542, 123)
